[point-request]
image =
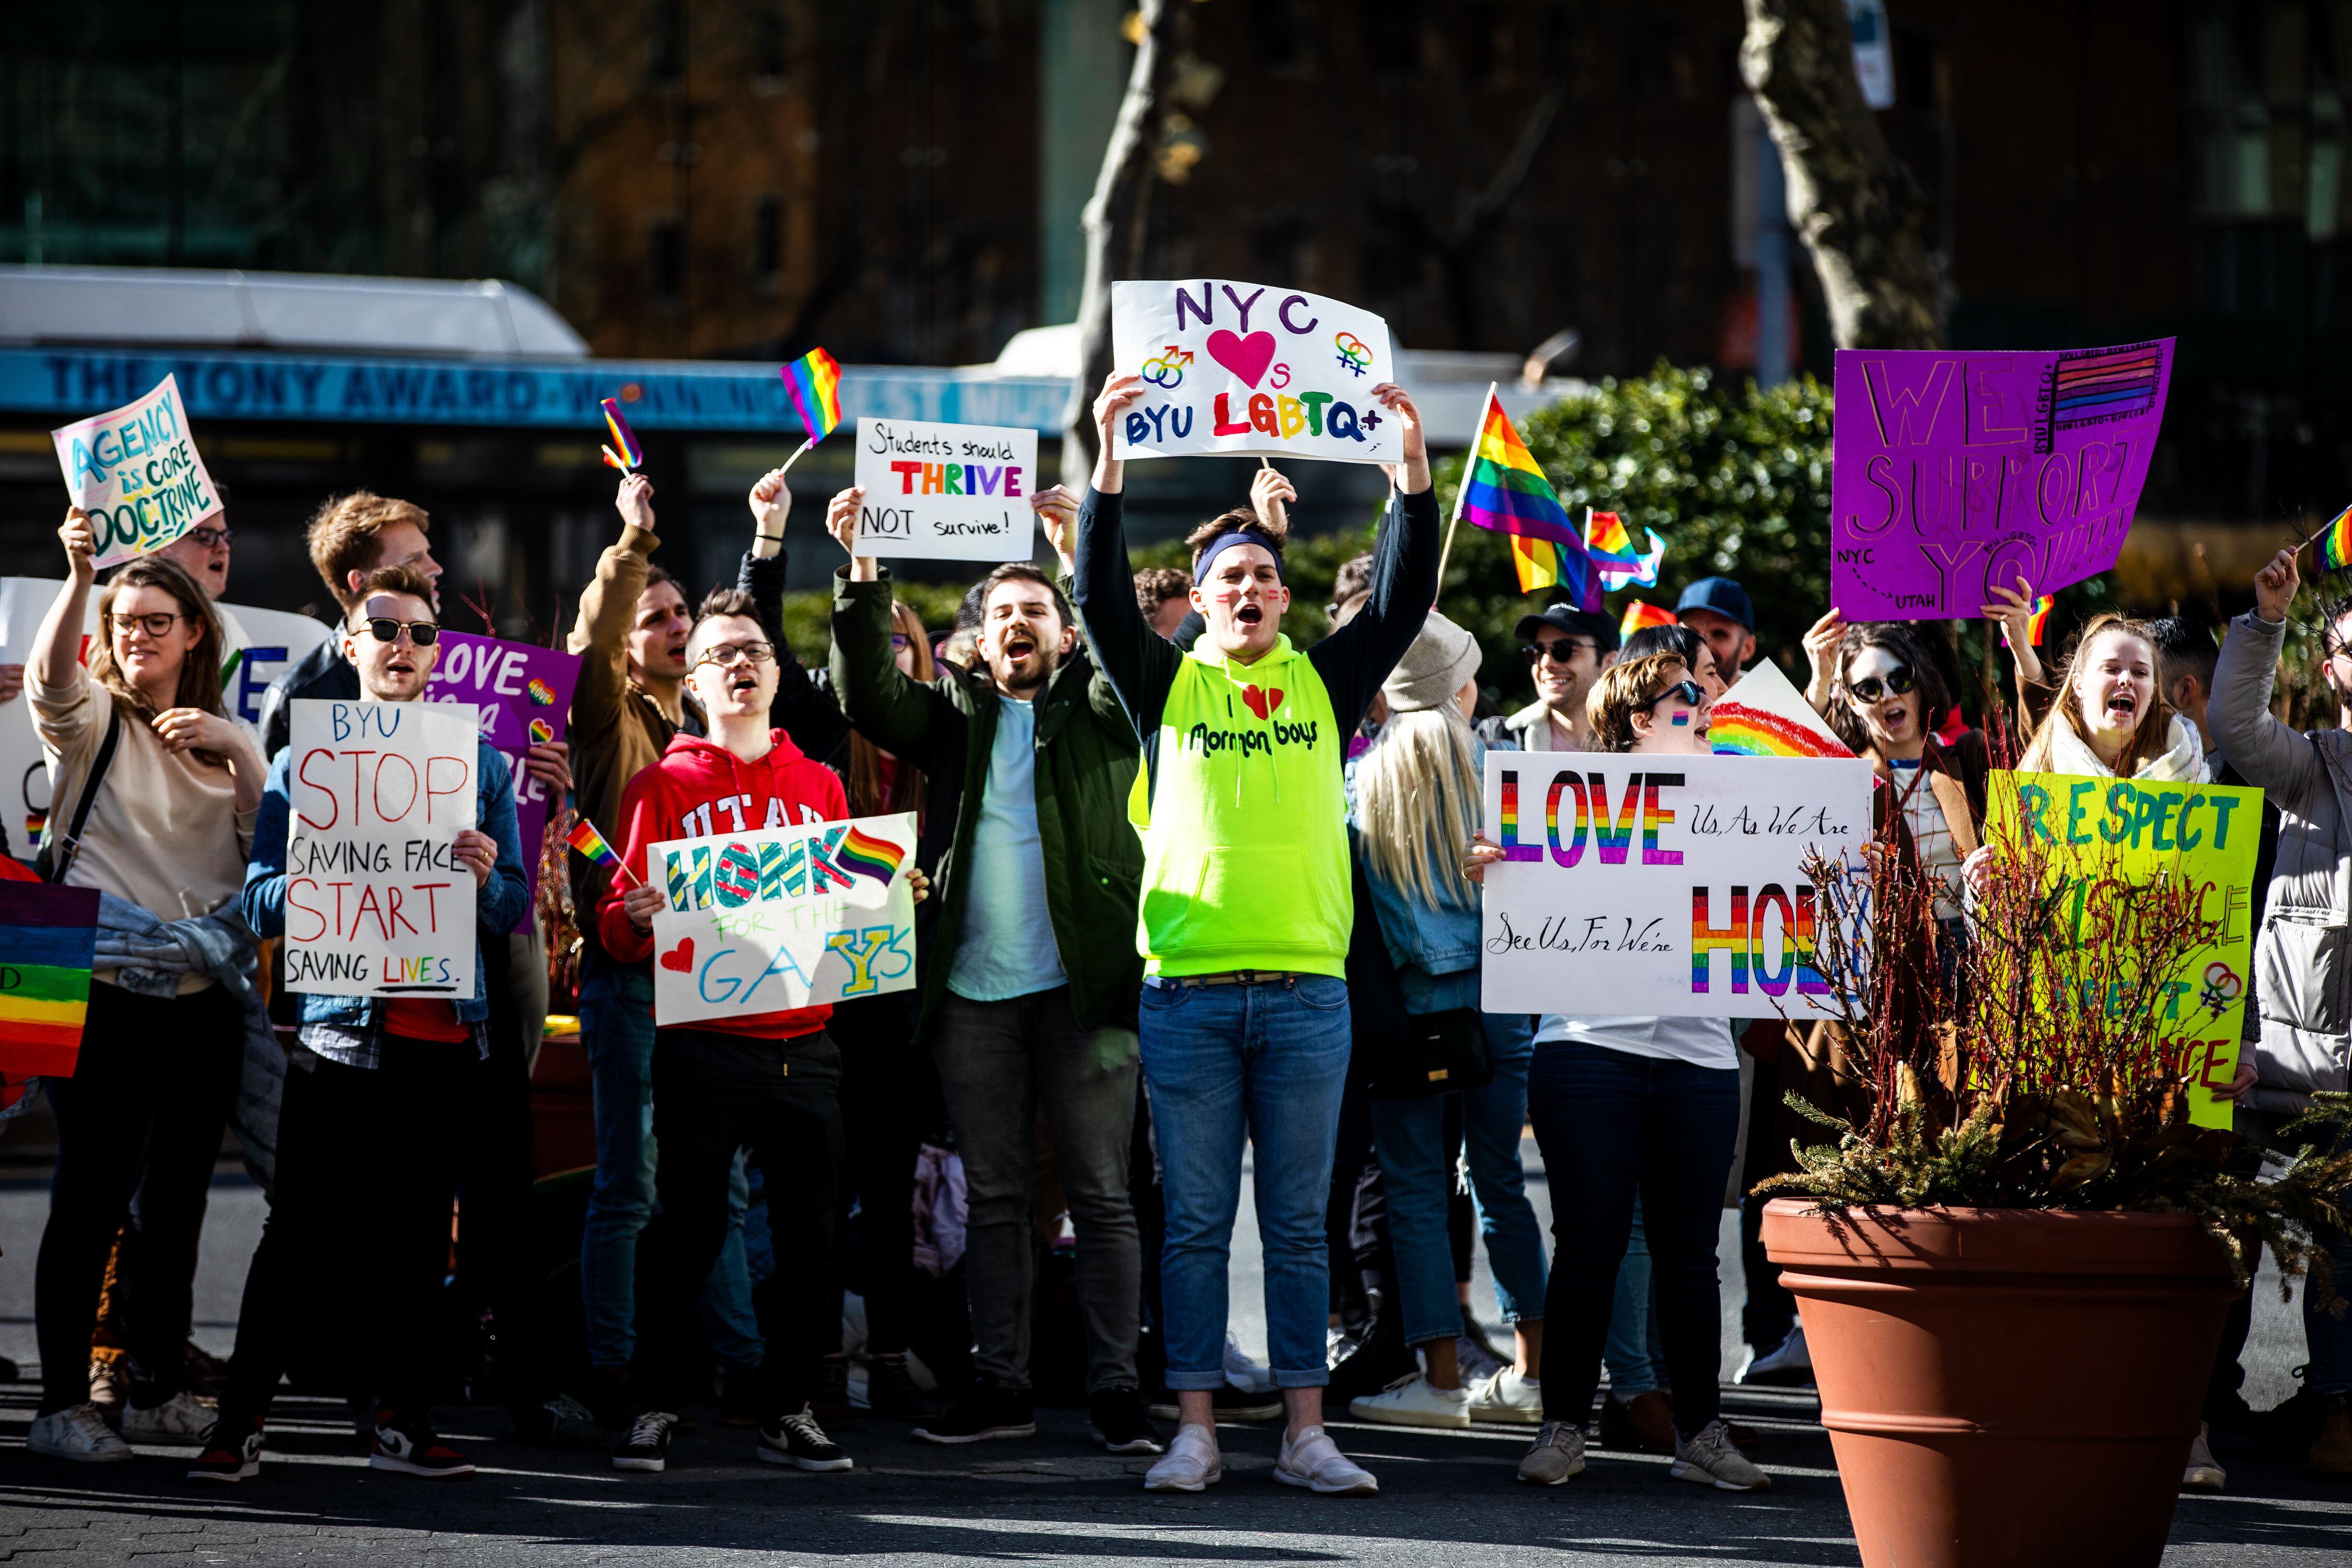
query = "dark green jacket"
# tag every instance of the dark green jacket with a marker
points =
(1086, 758)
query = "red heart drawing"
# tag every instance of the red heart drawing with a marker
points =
(680, 959)
(1265, 704)
(1246, 357)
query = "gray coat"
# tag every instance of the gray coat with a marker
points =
(2303, 975)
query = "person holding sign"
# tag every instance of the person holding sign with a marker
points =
(1627, 1104)
(157, 790)
(1245, 915)
(766, 1083)
(368, 1139)
(2300, 961)
(1028, 998)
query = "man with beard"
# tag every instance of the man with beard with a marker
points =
(1566, 650)
(1025, 1001)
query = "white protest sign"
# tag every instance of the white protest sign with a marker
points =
(1662, 885)
(1245, 370)
(771, 919)
(955, 490)
(376, 901)
(137, 472)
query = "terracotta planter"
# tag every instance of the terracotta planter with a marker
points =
(2005, 1386)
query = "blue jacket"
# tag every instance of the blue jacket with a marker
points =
(498, 906)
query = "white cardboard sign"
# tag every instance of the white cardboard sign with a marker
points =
(774, 919)
(137, 472)
(377, 902)
(1662, 885)
(958, 492)
(1245, 370)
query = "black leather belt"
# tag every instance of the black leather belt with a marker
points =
(1230, 977)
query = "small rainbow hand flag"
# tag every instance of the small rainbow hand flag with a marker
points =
(2037, 622)
(1503, 490)
(585, 837)
(2331, 547)
(1606, 540)
(813, 382)
(867, 856)
(1639, 615)
(631, 456)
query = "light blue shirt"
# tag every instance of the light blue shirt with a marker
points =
(1006, 948)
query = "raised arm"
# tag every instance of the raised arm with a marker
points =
(812, 718)
(1356, 658)
(883, 703)
(2265, 752)
(56, 647)
(607, 604)
(1139, 664)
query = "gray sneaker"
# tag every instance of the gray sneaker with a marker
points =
(185, 1417)
(1558, 1452)
(2202, 1475)
(1709, 1459)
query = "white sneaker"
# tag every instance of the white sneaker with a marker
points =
(79, 1433)
(1190, 1463)
(1788, 1363)
(2202, 1475)
(1312, 1461)
(184, 1417)
(1508, 1397)
(1710, 1461)
(1249, 1375)
(1413, 1401)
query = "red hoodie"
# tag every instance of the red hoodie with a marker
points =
(698, 788)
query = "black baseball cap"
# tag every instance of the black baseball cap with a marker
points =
(1721, 594)
(1566, 617)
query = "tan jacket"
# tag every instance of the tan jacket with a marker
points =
(617, 728)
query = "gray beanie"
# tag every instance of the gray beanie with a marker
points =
(1441, 659)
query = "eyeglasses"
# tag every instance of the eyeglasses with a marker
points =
(156, 622)
(1898, 681)
(1689, 690)
(1559, 650)
(384, 628)
(727, 654)
(213, 538)
(900, 642)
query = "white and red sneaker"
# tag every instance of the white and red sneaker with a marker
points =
(411, 1448)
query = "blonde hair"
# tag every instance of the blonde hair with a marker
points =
(2153, 734)
(1626, 689)
(1418, 799)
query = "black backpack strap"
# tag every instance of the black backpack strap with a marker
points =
(57, 855)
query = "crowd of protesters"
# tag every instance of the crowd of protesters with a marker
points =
(1141, 955)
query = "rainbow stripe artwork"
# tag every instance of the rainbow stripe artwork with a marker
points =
(1504, 491)
(50, 937)
(543, 695)
(813, 383)
(867, 856)
(542, 733)
(1639, 615)
(631, 456)
(2106, 384)
(1764, 715)
(585, 837)
(2331, 547)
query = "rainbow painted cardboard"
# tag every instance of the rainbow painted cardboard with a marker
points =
(1669, 884)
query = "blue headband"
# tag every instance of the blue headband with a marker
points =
(1224, 541)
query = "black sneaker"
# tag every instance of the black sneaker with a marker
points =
(984, 1413)
(1229, 1403)
(798, 1441)
(890, 1390)
(647, 1448)
(232, 1451)
(1120, 1423)
(410, 1448)
(562, 1422)
(830, 1398)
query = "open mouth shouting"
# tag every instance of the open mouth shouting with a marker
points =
(1018, 647)
(742, 682)
(2122, 709)
(1248, 614)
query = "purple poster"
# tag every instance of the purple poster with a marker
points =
(525, 697)
(1953, 469)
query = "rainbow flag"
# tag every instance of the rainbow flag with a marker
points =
(2331, 547)
(1606, 540)
(50, 937)
(585, 837)
(1503, 490)
(1639, 615)
(2037, 622)
(813, 382)
(869, 856)
(631, 456)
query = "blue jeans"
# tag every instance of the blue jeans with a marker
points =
(1630, 1352)
(1613, 1125)
(1417, 1178)
(616, 1024)
(1270, 1061)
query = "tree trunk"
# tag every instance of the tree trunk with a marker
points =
(1857, 206)
(1113, 223)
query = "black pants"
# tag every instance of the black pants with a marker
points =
(497, 1260)
(715, 1093)
(139, 1126)
(356, 1245)
(889, 1093)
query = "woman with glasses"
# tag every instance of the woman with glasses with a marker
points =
(1627, 1104)
(156, 794)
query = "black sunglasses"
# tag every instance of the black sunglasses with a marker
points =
(1559, 650)
(384, 628)
(1689, 690)
(1898, 681)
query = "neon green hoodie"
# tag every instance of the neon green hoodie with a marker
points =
(1246, 829)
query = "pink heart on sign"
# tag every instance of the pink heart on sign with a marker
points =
(1246, 357)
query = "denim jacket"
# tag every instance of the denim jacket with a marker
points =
(1434, 946)
(497, 907)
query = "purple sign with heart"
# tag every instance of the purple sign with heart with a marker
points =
(1954, 472)
(1247, 370)
(524, 696)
